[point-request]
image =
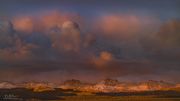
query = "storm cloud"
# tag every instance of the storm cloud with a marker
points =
(56, 44)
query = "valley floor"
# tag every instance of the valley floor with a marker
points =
(22, 94)
(117, 98)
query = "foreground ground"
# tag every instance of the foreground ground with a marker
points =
(118, 98)
(21, 94)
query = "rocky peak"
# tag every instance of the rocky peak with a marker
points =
(72, 82)
(7, 85)
(110, 82)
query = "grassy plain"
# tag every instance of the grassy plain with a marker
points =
(21, 94)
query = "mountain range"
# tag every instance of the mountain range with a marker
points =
(107, 85)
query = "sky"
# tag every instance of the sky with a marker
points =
(89, 40)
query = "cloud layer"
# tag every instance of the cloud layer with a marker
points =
(117, 46)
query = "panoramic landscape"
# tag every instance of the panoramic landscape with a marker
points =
(89, 50)
(105, 90)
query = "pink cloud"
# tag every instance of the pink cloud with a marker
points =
(125, 26)
(20, 51)
(69, 39)
(103, 59)
(42, 22)
(24, 24)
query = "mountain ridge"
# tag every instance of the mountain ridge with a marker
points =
(106, 85)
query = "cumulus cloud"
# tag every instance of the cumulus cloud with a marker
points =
(24, 24)
(89, 40)
(12, 47)
(169, 33)
(60, 27)
(120, 24)
(53, 19)
(164, 44)
(42, 22)
(123, 27)
(68, 39)
(18, 52)
(103, 59)
(119, 45)
(6, 36)
(57, 28)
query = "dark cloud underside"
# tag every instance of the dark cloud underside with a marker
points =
(54, 40)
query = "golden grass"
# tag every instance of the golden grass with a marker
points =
(117, 98)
